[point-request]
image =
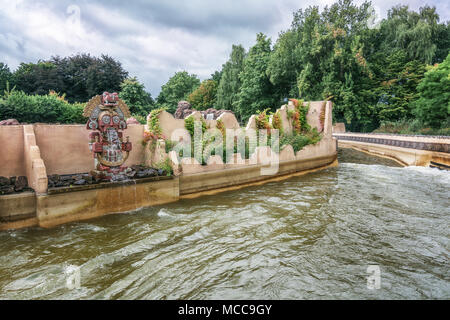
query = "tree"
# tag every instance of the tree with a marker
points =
(433, 105)
(398, 87)
(230, 82)
(179, 86)
(5, 77)
(284, 65)
(415, 32)
(204, 96)
(256, 92)
(216, 76)
(79, 77)
(138, 100)
(38, 78)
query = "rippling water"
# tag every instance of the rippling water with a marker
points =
(308, 237)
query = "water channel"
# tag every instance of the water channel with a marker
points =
(307, 237)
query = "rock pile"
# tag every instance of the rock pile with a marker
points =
(184, 109)
(14, 184)
(216, 113)
(134, 172)
(9, 122)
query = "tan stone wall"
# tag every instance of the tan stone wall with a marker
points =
(55, 209)
(12, 157)
(339, 127)
(65, 148)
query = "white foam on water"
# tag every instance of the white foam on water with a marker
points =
(442, 175)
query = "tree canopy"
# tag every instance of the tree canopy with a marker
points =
(179, 86)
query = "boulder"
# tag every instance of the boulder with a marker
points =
(183, 110)
(21, 183)
(4, 181)
(9, 122)
(79, 182)
(6, 189)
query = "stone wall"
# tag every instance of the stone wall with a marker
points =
(12, 157)
(64, 149)
(174, 130)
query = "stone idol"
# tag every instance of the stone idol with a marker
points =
(107, 115)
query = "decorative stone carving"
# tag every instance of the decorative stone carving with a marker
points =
(107, 115)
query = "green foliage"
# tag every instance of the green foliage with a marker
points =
(165, 166)
(80, 77)
(230, 82)
(189, 124)
(138, 100)
(141, 119)
(415, 126)
(153, 122)
(256, 91)
(298, 141)
(5, 77)
(204, 96)
(415, 32)
(40, 108)
(433, 105)
(177, 88)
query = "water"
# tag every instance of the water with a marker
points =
(308, 237)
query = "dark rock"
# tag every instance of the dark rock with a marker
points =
(12, 180)
(62, 184)
(120, 177)
(136, 167)
(88, 178)
(54, 178)
(79, 182)
(152, 172)
(6, 189)
(65, 178)
(21, 182)
(4, 181)
(9, 122)
(131, 174)
(141, 174)
(161, 172)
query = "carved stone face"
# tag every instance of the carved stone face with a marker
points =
(110, 99)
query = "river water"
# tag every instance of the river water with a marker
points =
(308, 237)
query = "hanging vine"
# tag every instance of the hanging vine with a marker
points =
(155, 132)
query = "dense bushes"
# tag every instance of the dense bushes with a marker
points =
(433, 106)
(49, 108)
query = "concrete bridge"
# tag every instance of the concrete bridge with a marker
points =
(410, 150)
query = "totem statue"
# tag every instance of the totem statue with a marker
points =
(107, 115)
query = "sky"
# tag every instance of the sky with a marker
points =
(153, 39)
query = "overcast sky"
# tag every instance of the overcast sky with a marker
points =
(153, 39)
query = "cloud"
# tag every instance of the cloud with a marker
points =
(152, 39)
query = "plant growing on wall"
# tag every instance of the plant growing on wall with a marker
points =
(155, 131)
(189, 124)
(277, 123)
(165, 166)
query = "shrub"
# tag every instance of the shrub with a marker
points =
(49, 108)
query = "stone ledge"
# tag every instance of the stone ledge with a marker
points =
(104, 185)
